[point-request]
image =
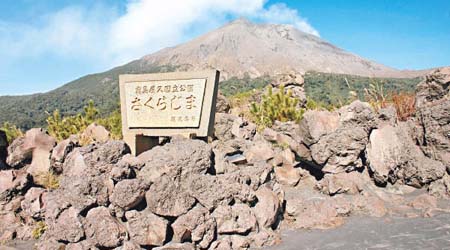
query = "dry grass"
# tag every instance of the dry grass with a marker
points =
(49, 180)
(39, 230)
(405, 104)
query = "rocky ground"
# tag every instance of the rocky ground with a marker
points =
(240, 190)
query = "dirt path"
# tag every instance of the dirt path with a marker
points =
(373, 233)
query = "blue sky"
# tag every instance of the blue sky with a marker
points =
(46, 43)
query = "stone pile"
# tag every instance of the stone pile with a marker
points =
(236, 192)
(294, 83)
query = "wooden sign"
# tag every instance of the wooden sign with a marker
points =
(167, 104)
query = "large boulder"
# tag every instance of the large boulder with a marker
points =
(84, 192)
(94, 133)
(260, 150)
(267, 210)
(212, 191)
(13, 183)
(317, 123)
(67, 227)
(180, 157)
(168, 197)
(60, 152)
(392, 154)
(94, 159)
(350, 183)
(435, 121)
(146, 228)
(433, 112)
(236, 219)
(195, 226)
(127, 194)
(287, 175)
(103, 230)
(35, 146)
(337, 145)
(85, 180)
(435, 86)
(33, 204)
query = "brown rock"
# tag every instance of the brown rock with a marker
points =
(130, 161)
(341, 149)
(212, 191)
(68, 227)
(167, 197)
(60, 152)
(282, 139)
(222, 104)
(236, 219)
(35, 145)
(94, 133)
(316, 124)
(104, 230)
(393, 155)
(147, 229)
(351, 183)
(33, 204)
(18, 155)
(434, 87)
(259, 151)
(223, 125)
(50, 245)
(13, 183)
(287, 175)
(195, 226)
(9, 223)
(127, 194)
(243, 129)
(181, 157)
(440, 188)
(268, 207)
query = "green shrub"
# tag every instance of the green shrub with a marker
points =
(12, 132)
(280, 106)
(62, 127)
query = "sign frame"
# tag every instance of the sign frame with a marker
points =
(141, 139)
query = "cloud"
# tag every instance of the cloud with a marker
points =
(105, 36)
(280, 13)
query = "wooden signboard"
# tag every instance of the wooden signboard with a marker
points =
(167, 104)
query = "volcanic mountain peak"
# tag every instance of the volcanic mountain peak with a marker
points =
(242, 47)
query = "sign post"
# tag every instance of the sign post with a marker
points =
(167, 104)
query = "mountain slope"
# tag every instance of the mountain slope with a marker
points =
(244, 47)
(238, 49)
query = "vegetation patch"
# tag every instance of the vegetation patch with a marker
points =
(12, 132)
(39, 230)
(279, 106)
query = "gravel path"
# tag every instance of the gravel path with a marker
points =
(373, 233)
